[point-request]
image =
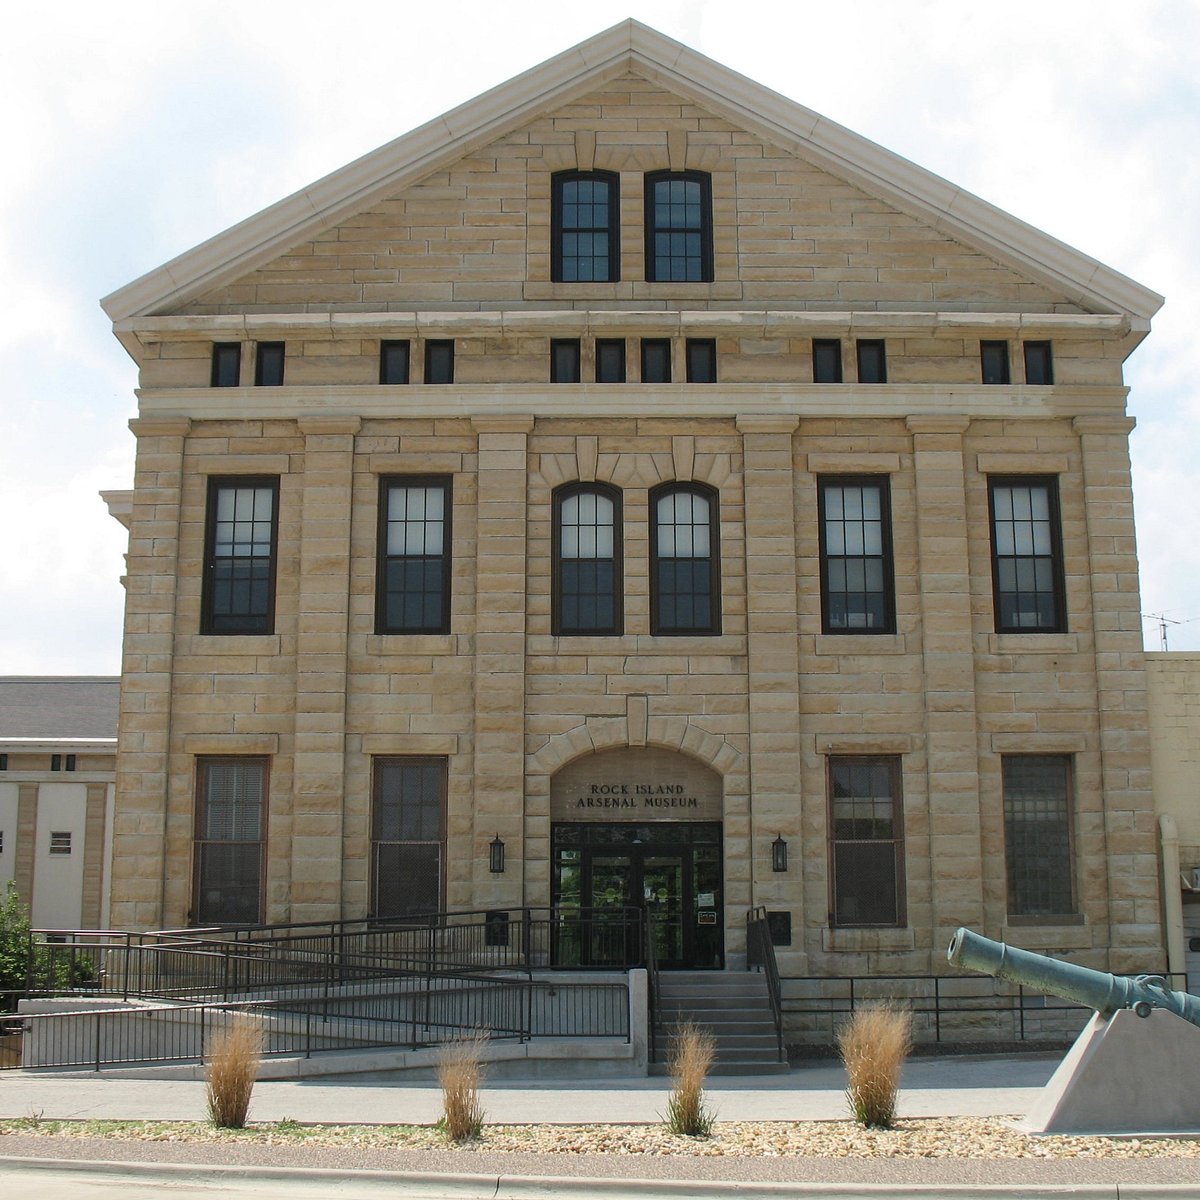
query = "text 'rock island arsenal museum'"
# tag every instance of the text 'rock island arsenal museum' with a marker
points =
(633, 489)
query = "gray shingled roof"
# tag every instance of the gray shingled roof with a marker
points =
(52, 707)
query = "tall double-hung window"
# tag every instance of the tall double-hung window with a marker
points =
(867, 845)
(1027, 562)
(238, 594)
(413, 582)
(679, 237)
(857, 591)
(230, 841)
(1037, 834)
(587, 560)
(585, 234)
(685, 582)
(408, 837)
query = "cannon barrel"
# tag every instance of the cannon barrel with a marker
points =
(1097, 989)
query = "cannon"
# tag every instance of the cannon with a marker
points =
(1122, 1075)
(1097, 989)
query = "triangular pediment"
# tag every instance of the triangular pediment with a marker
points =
(1021, 267)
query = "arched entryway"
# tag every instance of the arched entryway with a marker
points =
(637, 828)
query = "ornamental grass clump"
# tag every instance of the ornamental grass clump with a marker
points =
(689, 1062)
(874, 1044)
(460, 1073)
(234, 1054)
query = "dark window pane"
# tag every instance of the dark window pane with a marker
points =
(993, 357)
(268, 364)
(872, 362)
(408, 836)
(856, 554)
(827, 360)
(229, 841)
(678, 227)
(701, 360)
(684, 579)
(610, 360)
(656, 360)
(1037, 834)
(439, 361)
(867, 857)
(587, 556)
(1027, 555)
(239, 579)
(393, 362)
(564, 360)
(226, 364)
(413, 586)
(584, 230)
(1039, 366)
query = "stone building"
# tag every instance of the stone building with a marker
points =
(58, 750)
(634, 488)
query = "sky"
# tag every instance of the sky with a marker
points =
(135, 131)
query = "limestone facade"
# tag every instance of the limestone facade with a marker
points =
(804, 248)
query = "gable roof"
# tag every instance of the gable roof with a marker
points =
(53, 708)
(631, 46)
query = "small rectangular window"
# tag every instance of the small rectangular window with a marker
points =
(701, 360)
(56, 762)
(60, 841)
(1039, 365)
(827, 360)
(867, 885)
(564, 360)
(872, 361)
(70, 762)
(610, 360)
(3, 762)
(656, 360)
(393, 361)
(439, 361)
(238, 593)
(1037, 834)
(1, 841)
(993, 362)
(268, 364)
(226, 364)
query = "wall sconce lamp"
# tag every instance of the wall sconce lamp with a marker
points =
(496, 860)
(779, 854)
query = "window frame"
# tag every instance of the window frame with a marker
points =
(390, 348)
(433, 348)
(222, 353)
(695, 349)
(386, 483)
(1037, 870)
(895, 767)
(863, 348)
(704, 230)
(1031, 352)
(571, 349)
(833, 346)
(1057, 564)
(612, 180)
(267, 357)
(208, 618)
(378, 764)
(712, 496)
(613, 494)
(203, 764)
(656, 344)
(883, 482)
(1001, 366)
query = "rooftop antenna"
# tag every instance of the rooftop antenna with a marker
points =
(1163, 621)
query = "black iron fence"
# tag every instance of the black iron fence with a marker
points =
(405, 1015)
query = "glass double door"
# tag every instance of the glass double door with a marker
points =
(607, 878)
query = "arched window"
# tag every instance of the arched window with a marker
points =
(685, 582)
(585, 242)
(587, 560)
(679, 236)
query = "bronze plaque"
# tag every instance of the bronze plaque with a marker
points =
(634, 784)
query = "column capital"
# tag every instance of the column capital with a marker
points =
(323, 424)
(502, 424)
(1102, 423)
(766, 423)
(937, 423)
(160, 426)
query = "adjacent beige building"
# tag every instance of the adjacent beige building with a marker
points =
(634, 489)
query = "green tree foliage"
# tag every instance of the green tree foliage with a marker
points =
(14, 945)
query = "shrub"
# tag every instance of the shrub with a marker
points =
(233, 1058)
(691, 1058)
(874, 1044)
(460, 1073)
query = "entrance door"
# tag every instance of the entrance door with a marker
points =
(606, 878)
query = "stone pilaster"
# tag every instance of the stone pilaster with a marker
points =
(773, 661)
(948, 663)
(500, 591)
(318, 790)
(143, 759)
(93, 855)
(26, 848)
(1135, 928)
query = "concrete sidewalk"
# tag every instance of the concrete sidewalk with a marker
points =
(983, 1085)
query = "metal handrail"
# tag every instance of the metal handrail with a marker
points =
(758, 936)
(653, 999)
